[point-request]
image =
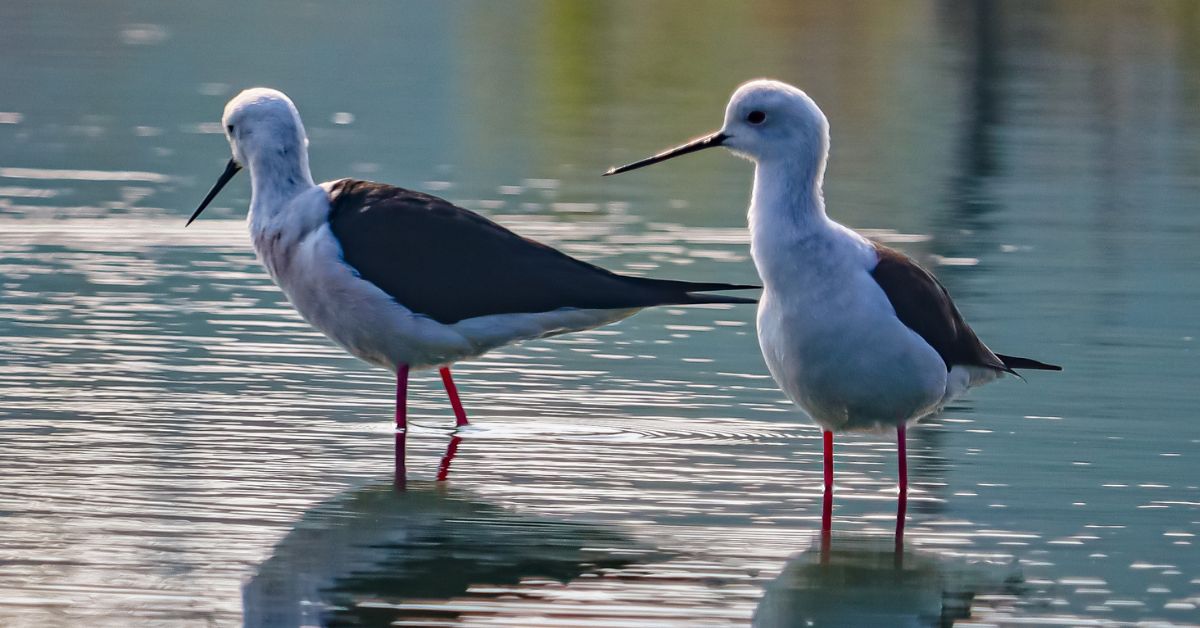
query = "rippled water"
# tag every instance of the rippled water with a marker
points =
(181, 449)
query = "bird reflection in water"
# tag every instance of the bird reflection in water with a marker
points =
(400, 477)
(855, 580)
(377, 555)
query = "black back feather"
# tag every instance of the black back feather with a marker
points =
(924, 306)
(451, 264)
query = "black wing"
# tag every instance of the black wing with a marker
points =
(451, 264)
(923, 305)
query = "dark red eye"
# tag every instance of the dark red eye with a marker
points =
(756, 117)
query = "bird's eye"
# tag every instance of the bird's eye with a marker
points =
(230, 129)
(756, 117)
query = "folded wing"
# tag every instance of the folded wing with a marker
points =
(924, 306)
(451, 264)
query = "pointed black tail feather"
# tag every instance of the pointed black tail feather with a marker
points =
(672, 292)
(692, 286)
(716, 298)
(1014, 362)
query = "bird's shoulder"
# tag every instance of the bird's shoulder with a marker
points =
(363, 212)
(924, 305)
(353, 200)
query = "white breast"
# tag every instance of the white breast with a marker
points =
(299, 250)
(831, 338)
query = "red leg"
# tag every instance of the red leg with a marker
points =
(451, 451)
(902, 502)
(827, 503)
(402, 397)
(460, 415)
(401, 423)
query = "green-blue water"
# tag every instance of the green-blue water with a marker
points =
(179, 448)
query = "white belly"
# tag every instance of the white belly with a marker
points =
(846, 360)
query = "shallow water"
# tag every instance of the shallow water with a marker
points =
(181, 449)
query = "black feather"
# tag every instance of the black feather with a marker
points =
(451, 264)
(924, 306)
(1014, 362)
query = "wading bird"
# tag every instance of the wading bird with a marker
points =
(856, 334)
(405, 280)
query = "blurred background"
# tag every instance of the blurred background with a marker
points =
(181, 449)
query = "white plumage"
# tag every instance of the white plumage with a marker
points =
(855, 334)
(404, 280)
(289, 227)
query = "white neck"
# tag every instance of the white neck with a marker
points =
(787, 209)
(277, 175)
(788, 197)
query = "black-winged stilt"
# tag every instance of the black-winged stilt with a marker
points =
(855, 333)
(405, 280)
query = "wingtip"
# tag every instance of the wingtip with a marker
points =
(1015, 362)
(720, 287)
(705, 298)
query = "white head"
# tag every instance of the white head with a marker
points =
(772, 120)
(766, 121)
(263, 123)
(266, 135)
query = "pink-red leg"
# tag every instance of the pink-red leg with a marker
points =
(827, 503)
(902, 501)
(402, 397)
(460, 415)
(451, 451)
(401, 423)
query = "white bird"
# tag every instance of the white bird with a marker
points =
(405, 280)
(856, 334)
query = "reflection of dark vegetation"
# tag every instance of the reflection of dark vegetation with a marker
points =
(364, 555)
(978, 33)
(983, 100)
(863, 581)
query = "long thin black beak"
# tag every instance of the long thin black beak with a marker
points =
(708, 141)
(231, 169)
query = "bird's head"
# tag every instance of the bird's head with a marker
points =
(765, 120)
(260, 122)
(264, 130)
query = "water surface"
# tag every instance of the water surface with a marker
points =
(182, 449)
